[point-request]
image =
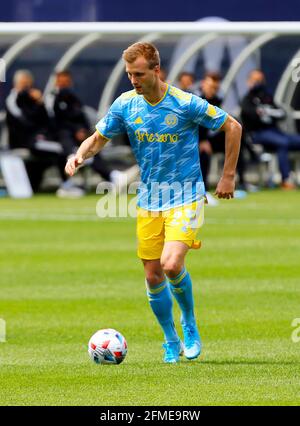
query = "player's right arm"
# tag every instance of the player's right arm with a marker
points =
(90, 147)
(112, 124)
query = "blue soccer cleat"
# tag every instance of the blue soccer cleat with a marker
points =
(173, 350)
(192, 341)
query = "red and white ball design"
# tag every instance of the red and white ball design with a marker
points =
(107, 346)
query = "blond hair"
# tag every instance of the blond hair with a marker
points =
(147, 50)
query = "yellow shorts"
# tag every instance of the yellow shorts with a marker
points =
(177, 224)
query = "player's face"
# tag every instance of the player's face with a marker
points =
(141, 76)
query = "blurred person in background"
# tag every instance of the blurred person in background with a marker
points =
(186, 80)
(71, 124)
(29, 127)
(72, 127)
(213, 141)
(209, 141)
(260, 116)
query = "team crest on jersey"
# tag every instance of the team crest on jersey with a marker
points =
(171, 120)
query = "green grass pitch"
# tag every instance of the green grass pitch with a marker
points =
(66, 274)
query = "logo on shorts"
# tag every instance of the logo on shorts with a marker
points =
(171, 120)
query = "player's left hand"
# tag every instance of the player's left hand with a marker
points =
(225, 187)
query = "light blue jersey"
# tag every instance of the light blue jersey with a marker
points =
(164, 138)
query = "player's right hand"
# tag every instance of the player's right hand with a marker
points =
(73, 164)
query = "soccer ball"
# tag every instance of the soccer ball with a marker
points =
(107, 346)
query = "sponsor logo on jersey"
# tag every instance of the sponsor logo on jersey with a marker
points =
(156, 137)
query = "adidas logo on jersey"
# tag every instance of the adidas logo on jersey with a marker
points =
(138, 121)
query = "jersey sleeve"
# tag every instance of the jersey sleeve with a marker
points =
(112, 124)
(205, 114)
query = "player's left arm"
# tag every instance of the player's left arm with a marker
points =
(233, 133)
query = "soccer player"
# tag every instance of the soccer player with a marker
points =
(162, 124)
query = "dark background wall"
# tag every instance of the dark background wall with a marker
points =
(154, 10)
(95, 63)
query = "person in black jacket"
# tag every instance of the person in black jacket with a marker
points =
(65, 107)
(26, 114)
(209, 141)
(72, 126)
(260, 116)
(29, 127)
